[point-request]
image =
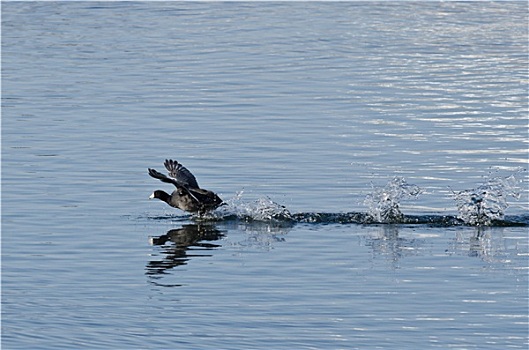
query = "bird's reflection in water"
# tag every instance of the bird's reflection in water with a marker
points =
(178, 243)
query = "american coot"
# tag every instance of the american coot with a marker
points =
(188, 196)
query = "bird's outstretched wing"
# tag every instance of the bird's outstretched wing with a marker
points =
(162, 177)
(196, 193)
(180, 174)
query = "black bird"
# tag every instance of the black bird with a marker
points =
(188, 196)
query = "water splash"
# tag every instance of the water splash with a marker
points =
(384, 202)
(485, 204)
(262, 209)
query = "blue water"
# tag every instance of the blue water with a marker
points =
(315, 108)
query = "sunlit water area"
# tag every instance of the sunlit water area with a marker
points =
(372, 158)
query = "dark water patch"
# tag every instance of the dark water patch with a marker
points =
(344, 218)
(164, 217)
(433, 220)
(367, 218)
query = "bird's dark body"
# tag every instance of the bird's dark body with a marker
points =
(188, 196)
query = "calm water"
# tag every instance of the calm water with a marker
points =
(314, 106)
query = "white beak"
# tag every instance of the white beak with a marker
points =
(151, 196)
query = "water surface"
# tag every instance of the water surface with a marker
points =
(311, 106)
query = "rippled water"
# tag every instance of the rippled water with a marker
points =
(373, 157)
